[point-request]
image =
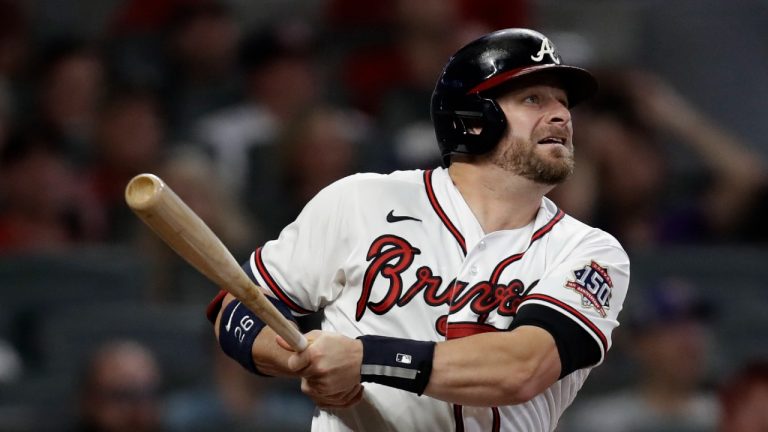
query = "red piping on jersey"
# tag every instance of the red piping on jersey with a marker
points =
(440, 213)
(541, 232)
(456, 330)
(502, 265)
(458, 417)
(496, 419)
(215, 306)
(574, 312)
(272, 285)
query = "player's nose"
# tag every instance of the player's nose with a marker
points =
(558, 113)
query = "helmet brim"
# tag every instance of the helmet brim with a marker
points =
(578, 83)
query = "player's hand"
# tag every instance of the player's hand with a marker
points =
(339, 400)
(660, 105)
(330, 365)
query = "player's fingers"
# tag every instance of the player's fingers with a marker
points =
(282, 343)
(345, 396)
(310, 337)
(353, 397)
(357, 397)
(327, 383)
(308, 389)
(298, 363)
(322, 385)
(313, 388)
(339, 400)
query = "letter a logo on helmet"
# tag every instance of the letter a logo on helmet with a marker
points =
(546, 48)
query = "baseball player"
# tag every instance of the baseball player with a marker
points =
(457, 298)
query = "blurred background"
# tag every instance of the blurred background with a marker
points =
(249, 107)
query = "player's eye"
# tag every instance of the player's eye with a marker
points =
(534, 99)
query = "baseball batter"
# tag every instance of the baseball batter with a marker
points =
(458, 298)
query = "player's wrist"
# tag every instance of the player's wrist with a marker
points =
(238, 329)
(357, 353)
(405, 364)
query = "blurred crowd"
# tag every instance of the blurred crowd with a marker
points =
(276, 112)
(246, 122)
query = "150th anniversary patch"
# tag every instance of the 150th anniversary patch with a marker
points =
(594, 285)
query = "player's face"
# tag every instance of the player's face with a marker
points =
(538, 143)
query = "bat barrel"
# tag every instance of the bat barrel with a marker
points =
(173, 221)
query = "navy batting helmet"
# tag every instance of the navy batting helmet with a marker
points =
(460, 100)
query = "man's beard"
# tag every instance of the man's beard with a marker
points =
(522, 159)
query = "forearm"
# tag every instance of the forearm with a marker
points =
(732, 162)
(273, 356)
(723, 152)
(738, 173)
(268, 356)
(494, 368)
(491, 369)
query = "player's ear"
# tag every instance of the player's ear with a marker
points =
(473, 126)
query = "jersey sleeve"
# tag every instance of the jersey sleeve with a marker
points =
(302, 267)
(588, 287)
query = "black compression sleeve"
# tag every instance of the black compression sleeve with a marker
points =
(576, 347)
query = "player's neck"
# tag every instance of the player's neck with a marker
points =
(498, 199)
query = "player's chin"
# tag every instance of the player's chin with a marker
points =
(552, 172)
(555, 150)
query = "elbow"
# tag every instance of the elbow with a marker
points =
(526, 391)
(521, 386)
(225, 301)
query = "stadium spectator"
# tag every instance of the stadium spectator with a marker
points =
(44, 204)
(281, 82)
(744, 399)
(129, 140)
(634, 189)
(237, 401)
(70, 88)
(669, 342)
(315, 149)
(192, 176)
(121, 390)
(202, 73)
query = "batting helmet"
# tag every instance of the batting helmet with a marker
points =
(460, 100)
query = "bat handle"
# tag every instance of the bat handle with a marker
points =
(252, 296)
(300, 344)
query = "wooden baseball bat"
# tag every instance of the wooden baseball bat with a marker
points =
(183, 230)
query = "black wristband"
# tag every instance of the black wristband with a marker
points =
(400, 363)
(238, 329)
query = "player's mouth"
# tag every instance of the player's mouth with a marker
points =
(553, 140)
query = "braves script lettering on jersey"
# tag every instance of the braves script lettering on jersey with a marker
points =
(402, 255)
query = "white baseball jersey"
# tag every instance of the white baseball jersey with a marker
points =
(402, 255)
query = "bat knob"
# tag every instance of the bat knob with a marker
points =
(143, 191)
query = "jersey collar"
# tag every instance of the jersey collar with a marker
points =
(456, 216)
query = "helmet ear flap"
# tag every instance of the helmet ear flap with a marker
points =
(470, 124)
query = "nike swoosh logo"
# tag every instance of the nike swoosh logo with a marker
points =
(229, 322)
(391, 218)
